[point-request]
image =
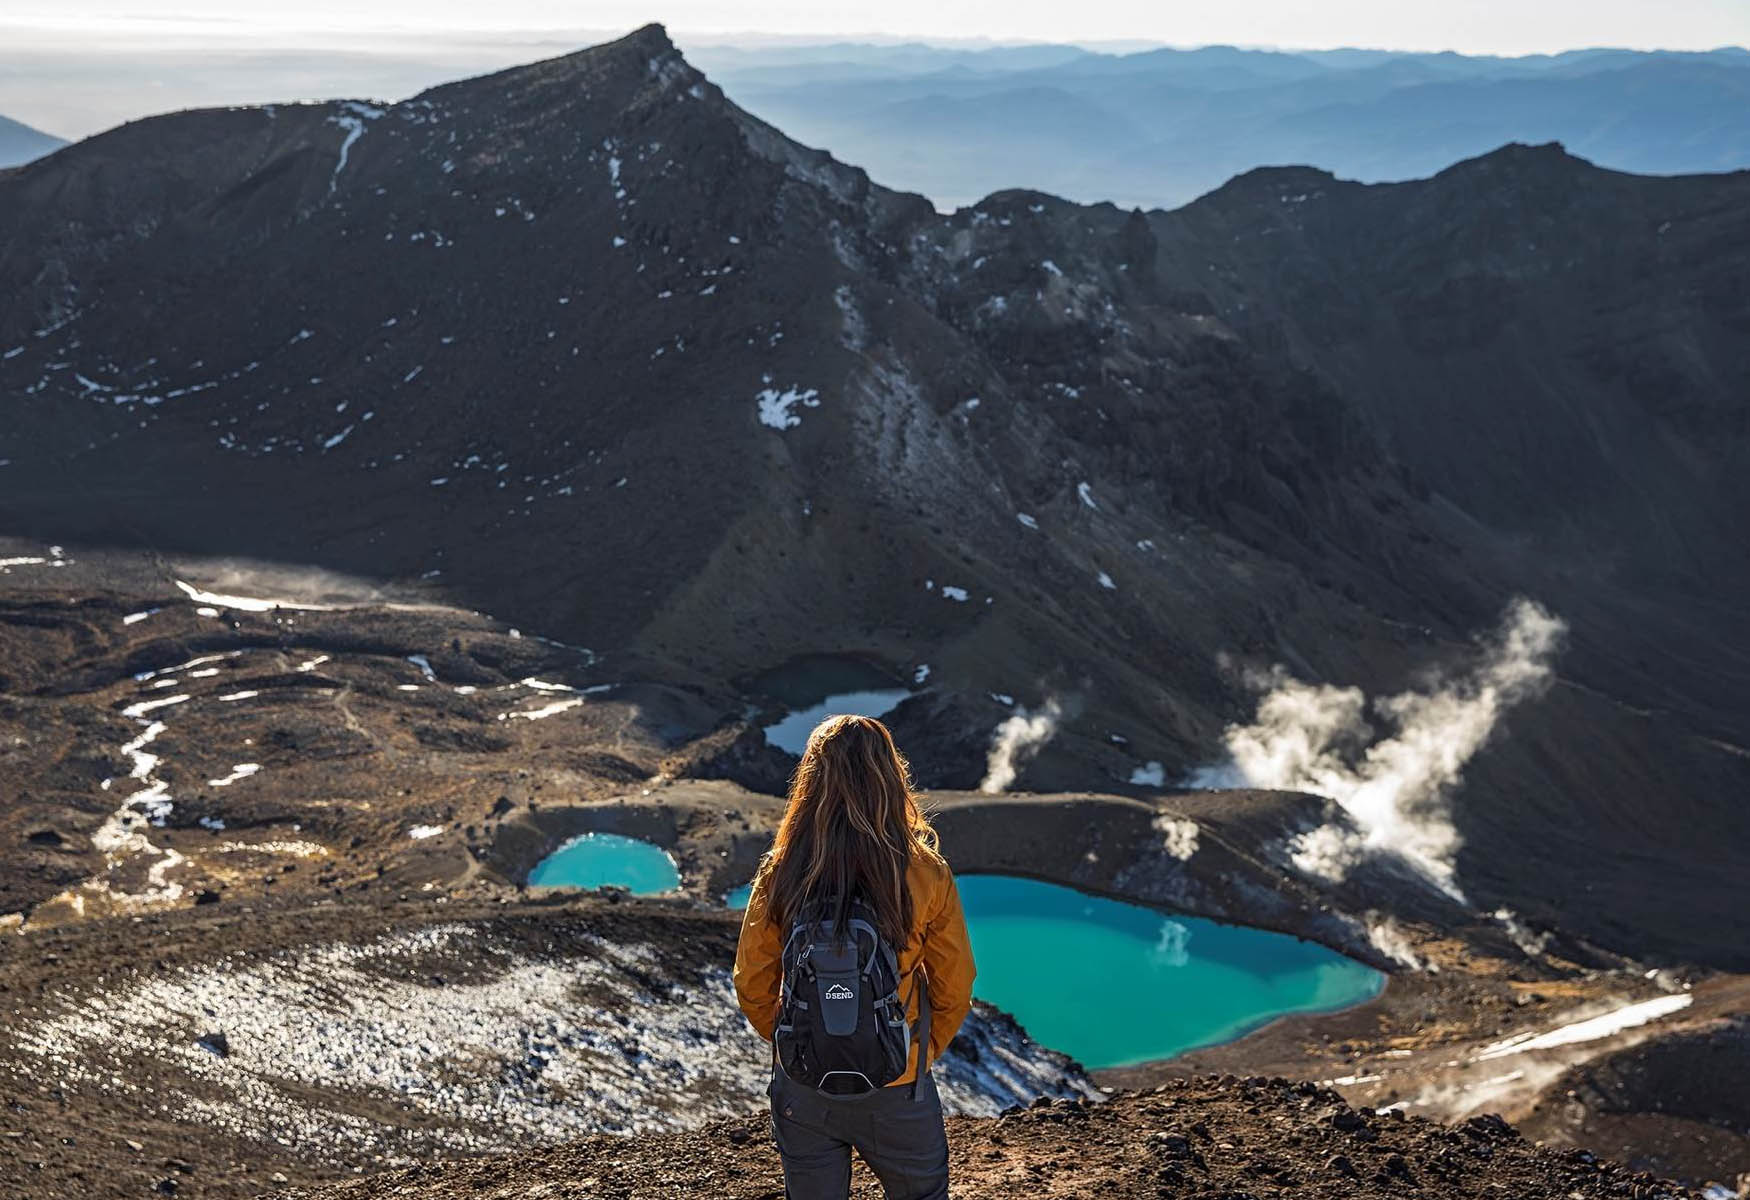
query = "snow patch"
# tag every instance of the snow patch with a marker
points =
(541, 714)
(240, 771)
(1607, 1025)
(352, 118)
(778, 409)
(245, 603)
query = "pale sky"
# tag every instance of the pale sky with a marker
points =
(75, 67)
(1469, 26)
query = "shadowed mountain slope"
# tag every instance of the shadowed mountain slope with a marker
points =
(585, 345)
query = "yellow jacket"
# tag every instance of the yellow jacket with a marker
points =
(938, 943)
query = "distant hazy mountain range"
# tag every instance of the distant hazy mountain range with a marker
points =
(19, 143)
(1160, 127)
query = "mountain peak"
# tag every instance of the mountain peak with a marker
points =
(611, 70)
(1524, 156)
(646, 39)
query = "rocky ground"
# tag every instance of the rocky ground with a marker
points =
(391, 492)
(1215, 1138)
(312, 1039)
(202, 954)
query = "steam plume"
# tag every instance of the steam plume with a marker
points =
(1315, 738)
(1178, 835)
(1015, 741)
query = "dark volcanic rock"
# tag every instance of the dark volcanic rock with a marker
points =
(584, 345)
(1260, 1141)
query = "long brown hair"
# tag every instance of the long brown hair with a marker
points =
(851, 827)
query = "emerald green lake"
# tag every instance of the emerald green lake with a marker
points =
(608, 859)
(1110, 983)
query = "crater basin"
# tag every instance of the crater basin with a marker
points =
(1112, 984)
(595, 860)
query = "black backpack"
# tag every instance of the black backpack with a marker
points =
(841, 1023)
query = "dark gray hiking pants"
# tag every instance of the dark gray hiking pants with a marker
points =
(901, 1139)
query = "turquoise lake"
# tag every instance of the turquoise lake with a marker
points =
(1111, 983)
(608, 859)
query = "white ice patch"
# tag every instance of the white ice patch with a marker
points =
(145, 706)
(541, 714)
(424, 665)
(1603, 1026)
(955, 593)
(921, 674)
(778, 409)
(56, 558)
(1105, 581)
(246, 603)
(420, 832)
(122, 834)
(137, 617)
(352, 119)
(1086, 492)
(240, 771)
(1026, 520)
(198, 661)
(541, 685)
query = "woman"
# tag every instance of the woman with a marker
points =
(853, 832)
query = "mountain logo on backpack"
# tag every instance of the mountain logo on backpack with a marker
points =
(838, 991)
